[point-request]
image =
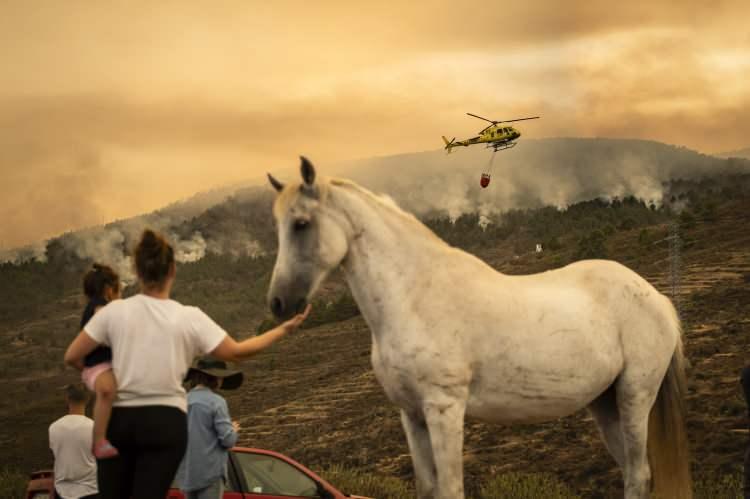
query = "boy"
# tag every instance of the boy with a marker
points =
(70, 440)
(211, 433)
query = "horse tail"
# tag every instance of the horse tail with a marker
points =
(669, 455)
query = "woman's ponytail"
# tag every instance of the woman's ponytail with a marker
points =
(154, 258)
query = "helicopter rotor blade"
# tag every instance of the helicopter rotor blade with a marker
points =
(485, 119)
(518, 119)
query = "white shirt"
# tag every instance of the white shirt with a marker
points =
(75, 467)
(153, 343)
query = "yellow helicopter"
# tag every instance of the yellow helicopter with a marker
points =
(495, 135)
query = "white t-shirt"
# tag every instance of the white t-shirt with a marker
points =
(75, 467)
(153, 343)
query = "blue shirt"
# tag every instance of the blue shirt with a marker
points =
(210, 436)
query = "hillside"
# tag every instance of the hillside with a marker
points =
(536, 173)
(739, 153)
(314, 396)
(323, 404)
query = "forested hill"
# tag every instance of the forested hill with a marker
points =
(536, 173)
(41, 302)
(548, 175)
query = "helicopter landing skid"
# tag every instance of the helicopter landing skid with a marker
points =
(501, 146)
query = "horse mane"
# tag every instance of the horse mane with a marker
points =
(289, 194)
(386, 202)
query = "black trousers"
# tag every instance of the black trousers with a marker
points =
(92, 496)
(151, 441)
(745, 378)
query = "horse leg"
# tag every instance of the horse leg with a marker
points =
(445, 420)
(634, 405)
(607, 419)
(418, 438)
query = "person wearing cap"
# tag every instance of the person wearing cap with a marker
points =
(70, 439)
(211, 432)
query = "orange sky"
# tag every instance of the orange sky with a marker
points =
(108, 109)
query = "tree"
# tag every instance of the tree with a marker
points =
(592, 246)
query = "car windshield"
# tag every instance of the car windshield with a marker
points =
(269, 475)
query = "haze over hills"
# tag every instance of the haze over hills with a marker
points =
(235, 220)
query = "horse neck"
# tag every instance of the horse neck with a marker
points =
(389, 251)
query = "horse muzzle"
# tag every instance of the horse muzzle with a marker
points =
(285, 308)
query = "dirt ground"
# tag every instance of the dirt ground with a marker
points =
(314, 396)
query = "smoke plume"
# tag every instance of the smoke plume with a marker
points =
(546, 172)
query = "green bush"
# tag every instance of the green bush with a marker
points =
(12, 484)
(525, 486)
(687, 220)
(644, 238)
(267, 324)
(342, 308)
(592, 246)
(628, 223)
(351, 481)
(506, 486)
(711, 486)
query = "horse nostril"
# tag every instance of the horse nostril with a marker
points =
(276, 307)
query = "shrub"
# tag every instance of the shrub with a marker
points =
(12, 484)
(592, 246)
(687, 220)
(644, 238)
(526, 486)
(343, 308)
(628, 223)
(351, 481)
(710, 486)
(267, 324)
(553, 244)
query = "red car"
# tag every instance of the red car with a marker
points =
(252, 473)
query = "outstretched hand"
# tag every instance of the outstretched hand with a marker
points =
(295, 321)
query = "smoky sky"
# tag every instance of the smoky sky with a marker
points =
(108, 110)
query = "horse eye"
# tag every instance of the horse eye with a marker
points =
(301, 224)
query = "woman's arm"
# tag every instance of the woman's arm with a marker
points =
(233, 351)
(81, 346)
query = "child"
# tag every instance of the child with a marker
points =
(101, 285)
(211, 433)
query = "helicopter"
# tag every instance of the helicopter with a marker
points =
(496, 136)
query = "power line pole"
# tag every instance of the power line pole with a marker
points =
(675, 266)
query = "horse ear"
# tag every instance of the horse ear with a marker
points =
(275, 183)
(307, 170)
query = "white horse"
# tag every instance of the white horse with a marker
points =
(451, 337)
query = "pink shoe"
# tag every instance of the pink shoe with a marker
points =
(103, 449)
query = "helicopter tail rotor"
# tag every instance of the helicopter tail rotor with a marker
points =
(449, 144)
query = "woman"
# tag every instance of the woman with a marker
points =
(154, 340)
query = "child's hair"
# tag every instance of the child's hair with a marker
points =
(76, 394)
(199, 378)
(97, 279)
(154, 258)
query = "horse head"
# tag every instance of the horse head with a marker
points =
(312, 242)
